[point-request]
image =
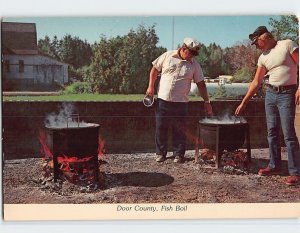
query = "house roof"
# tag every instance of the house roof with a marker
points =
(19, 38)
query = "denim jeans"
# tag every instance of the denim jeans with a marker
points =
(280, 110)
(170, 115)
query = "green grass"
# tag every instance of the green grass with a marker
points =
(76, 97)
(83, 97)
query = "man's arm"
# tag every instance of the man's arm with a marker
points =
(202, 90)
(152, 78)
(295, 56)
(204, 94)
(254, 86)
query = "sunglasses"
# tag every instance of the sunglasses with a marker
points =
(193, 52)
(256, 41)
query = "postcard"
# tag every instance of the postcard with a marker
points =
(150, 117)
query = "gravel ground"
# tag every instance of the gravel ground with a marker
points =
(137, 178)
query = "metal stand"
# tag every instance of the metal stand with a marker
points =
(55, 168)
(218, 150)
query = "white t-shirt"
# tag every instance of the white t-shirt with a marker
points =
(176, 76)
(279, 63)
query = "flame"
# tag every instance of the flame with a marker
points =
(230, 163)
(45, 149)
(237, 159)
(72, 159)
(101, 148)
(208, 154)
(71, 165)
(240, 156)
(66, 160)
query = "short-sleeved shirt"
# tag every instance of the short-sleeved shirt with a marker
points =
(176, 76)
(279, 63)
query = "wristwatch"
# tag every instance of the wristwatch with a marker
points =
(207, 101)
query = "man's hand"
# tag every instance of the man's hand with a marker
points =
(240, 109)
(208, 109)
(150, 91)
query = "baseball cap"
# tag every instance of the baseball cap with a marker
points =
(258, 32)
(192, 45)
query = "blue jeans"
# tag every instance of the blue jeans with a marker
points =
(280, 110)
(170, 115)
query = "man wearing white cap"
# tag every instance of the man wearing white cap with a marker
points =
(178, 69)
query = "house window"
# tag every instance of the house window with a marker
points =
(21, 66)
(6, 66)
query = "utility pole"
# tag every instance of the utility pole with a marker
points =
(173, 26)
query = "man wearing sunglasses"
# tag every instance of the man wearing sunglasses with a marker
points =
(280, 60)
(178, 69)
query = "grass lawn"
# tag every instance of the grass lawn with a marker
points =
(82, 97)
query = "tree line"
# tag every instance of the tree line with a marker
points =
(122, 64)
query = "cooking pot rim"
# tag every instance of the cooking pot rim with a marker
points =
(88, 126)
(220, 123)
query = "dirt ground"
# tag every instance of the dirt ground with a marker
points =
(137, 178)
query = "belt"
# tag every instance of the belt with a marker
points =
(282, 88)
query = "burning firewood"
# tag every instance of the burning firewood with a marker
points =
(233, 162)
(236, 161)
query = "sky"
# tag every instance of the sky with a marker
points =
(211, 21)
(171, 30)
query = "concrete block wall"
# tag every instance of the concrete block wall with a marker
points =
(126, 127)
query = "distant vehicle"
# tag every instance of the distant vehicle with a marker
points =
(222, 82)
(232, 89)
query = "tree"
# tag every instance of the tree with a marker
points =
(203, 59)
(104, 73)
(215, 60)
(122, 64)
(74, 51)
(55, 44)
(45, 46)
(70, 50)
(220, 93)
(211, 59)
(243, 75)
(242, 59)
(285, 28)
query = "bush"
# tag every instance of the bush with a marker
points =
(220, 93)
(243, 75)
(78, 88)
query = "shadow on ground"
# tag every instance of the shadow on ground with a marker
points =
(257, 164)
(138, 179)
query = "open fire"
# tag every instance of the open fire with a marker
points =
(236, 162)
(80, 170)
(71, 149)
(221, 135)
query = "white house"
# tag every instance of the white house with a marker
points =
(23, 67)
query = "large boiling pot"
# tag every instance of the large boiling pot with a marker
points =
(229, 136)
(78, 141)
(73, 141)
(220, 135)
